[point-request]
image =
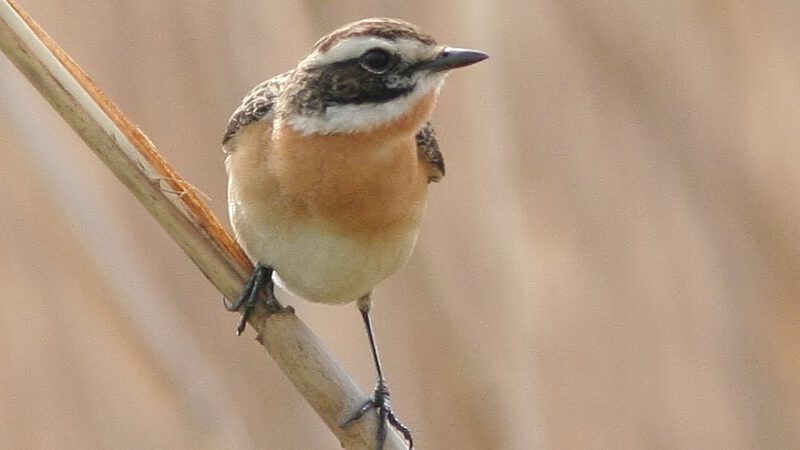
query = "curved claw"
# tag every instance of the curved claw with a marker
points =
(369, 404)
(261, 278)
(380, 401)
(232, 307)
(397, 425)
(250, 289)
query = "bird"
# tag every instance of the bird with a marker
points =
(328, 170)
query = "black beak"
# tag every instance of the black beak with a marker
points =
(453, 58)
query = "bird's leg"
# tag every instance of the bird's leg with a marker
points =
(260, 279)
(380, 396)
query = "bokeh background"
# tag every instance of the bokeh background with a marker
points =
(612, 261)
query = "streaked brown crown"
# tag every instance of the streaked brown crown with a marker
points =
(383, 27)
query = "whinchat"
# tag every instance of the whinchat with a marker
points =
(328, 170)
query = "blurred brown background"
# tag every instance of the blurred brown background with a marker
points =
(612, 261)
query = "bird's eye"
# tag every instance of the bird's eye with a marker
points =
(376, 60)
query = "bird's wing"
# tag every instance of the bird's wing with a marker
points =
(428, 150)
(256, 106)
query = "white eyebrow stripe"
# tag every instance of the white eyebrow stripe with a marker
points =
(354, 47)
(349, 49)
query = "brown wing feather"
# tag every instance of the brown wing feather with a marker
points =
(256, 106)
(428, 149)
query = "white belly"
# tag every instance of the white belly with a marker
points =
(315, 262)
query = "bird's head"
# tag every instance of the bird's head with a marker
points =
(368, 74)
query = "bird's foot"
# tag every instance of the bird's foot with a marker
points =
(380, 401)
(260, 279)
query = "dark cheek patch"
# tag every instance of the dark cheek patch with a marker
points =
(344, 88)
(348, 83)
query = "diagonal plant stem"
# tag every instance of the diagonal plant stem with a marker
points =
(176, 206)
